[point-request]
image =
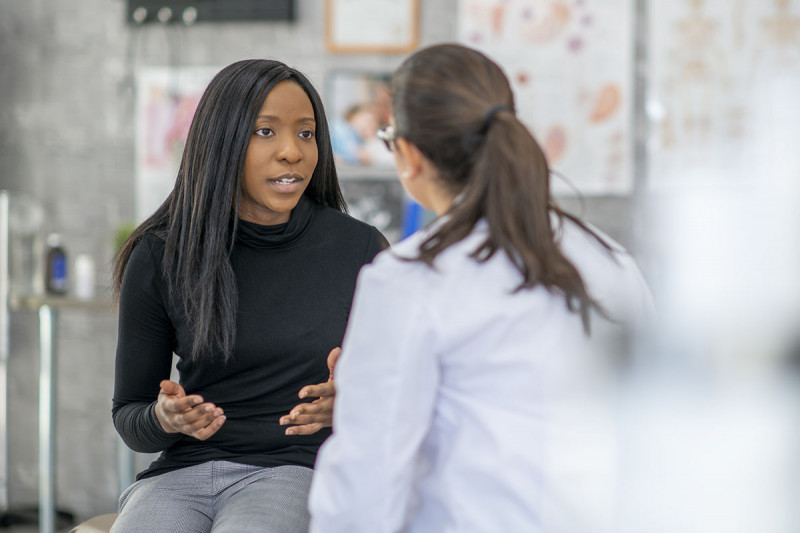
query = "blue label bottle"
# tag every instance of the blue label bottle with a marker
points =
(57, 281)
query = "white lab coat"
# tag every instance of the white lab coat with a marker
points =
(463, 406)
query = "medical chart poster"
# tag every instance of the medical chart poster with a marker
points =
(570, 63)
(723, 84)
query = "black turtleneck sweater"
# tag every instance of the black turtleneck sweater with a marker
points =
(296, 284)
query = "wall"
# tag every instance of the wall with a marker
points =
(66, 137)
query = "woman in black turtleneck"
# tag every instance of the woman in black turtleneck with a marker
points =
(246, 272)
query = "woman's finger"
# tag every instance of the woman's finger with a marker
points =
(174, 404)
(318, 391)
(323, 406)
(209, 430)
(312, 418)
(309, 418)
(317, 406)
(171, 388)
(307, 429)
(333, 357)
(201, 416)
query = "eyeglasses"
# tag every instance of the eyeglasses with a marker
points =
(388, 135)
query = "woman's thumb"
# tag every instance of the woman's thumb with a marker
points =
(171, 388)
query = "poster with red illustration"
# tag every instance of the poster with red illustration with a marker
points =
(570, 63)
(166, 99)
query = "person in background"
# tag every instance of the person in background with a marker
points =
(351, 134)
(246, 273)
(497, 316)
(355, 140)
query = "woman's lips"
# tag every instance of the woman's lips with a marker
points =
(287, 183)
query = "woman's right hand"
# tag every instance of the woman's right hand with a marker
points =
(190, 415)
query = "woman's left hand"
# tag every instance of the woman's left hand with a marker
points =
(308, 418)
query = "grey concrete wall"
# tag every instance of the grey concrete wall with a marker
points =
(67, 137)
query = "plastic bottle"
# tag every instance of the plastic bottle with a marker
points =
(84, 277)
(56, 281)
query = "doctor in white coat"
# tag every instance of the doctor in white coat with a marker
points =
(475, 387)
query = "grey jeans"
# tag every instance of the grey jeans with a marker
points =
(218, 497)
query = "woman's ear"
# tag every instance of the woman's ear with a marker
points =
(410, 160)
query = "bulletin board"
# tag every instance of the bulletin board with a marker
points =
(570, 64)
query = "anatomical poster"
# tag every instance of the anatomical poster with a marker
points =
(570, 65)
(723, 88)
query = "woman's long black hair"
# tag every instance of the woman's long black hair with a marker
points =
(198, 220)
(456, 105)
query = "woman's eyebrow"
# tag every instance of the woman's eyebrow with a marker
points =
(277, 119)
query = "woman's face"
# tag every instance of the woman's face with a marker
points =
(281, 156)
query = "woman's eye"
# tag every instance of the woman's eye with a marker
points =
(308, 134)
(264, 132)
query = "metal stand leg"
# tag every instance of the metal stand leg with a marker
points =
(125, 466)
(5, 330)
(3, 435)
(47, 419)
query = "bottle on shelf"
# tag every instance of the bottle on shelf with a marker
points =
(56, 281)
(84, 277)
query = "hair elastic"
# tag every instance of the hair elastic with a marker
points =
(487, 121)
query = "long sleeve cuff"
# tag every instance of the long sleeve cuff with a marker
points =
(139, 428)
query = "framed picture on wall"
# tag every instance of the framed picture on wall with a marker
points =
(166, 99)
(379, 202)
(371, 26)
(358, 104)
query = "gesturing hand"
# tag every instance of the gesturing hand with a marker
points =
(179, 413)
(311, 417)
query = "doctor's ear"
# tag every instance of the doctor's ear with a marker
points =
(410, 160)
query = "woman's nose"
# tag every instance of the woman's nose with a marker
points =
(289, 150)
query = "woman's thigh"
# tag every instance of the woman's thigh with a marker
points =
(168, 503)
(272, 500)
